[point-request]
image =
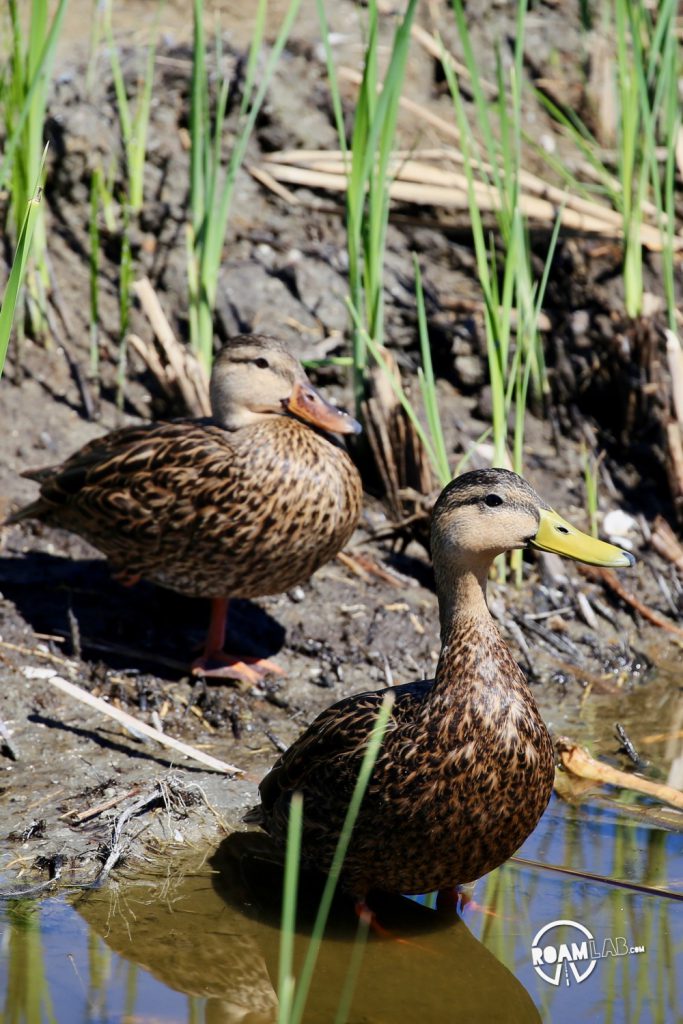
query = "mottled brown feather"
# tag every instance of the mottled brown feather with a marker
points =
(465, 769)
(206, 510)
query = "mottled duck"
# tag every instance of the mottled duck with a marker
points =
(247, 503)
(465, 769)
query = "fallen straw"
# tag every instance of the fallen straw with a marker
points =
(579, 762)
(130, 722)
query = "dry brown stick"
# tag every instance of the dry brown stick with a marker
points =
(650, 236)
(674, 355)
(620, 883)
(658, 737)
(34, 652)
(365, 567)
(79, 817)
(184, 365)
(270, 182)
(534, 207)
(148, 354)
(433, 46)
(608, 577)
(674, 466)
(578, 761)
(130, 722)
(666, 543)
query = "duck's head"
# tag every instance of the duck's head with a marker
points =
(255, 377)
(483, 513)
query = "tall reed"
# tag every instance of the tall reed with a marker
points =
(18, 270)
(211, 184)
(293, 992)
(368, 172)
(646, 72)
(23, 101)
(512, 295)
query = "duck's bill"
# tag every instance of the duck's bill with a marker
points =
(309, 405)
(556, 534)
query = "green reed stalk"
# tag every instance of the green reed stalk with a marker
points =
(24, 102)
(125, 282)
(512, 296)
(368, 175)
(425, 376)
(94, 263)
(286, 980)
(134, 126)
(591, 474)
(211, 188)
(297, 1007)
(19, 264)
(27, 993)
(647, 58)
(376, 353)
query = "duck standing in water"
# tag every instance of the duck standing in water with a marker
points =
(248, 503)
(466, 765)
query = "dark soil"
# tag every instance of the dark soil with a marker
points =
(284, 273)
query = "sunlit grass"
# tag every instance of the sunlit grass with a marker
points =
(591, 477)
(24, 91)
(27, 995)
(18, 269)
(134, 122)
(212, 184)
(368, 172)
(94, 266)
(646, 71)
(293, 992)
(512, 295)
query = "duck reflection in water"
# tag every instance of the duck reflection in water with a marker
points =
(217, 936)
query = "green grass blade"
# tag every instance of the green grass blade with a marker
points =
(36, 83)
(94, 238)
(254, 49)
(368, 763)
(428, 383)
(18, 270)
(289, 903)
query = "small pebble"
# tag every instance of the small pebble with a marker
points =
(296, 594)
(38, 672)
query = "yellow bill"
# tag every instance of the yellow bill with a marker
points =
(556, 534)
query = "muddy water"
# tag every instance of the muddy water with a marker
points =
(200, 943)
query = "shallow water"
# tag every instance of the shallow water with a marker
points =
(201, 945)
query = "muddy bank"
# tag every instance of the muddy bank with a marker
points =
(284, 271)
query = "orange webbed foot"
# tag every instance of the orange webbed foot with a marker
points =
(220, 665)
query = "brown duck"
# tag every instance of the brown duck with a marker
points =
(247, 503)
(465, 769)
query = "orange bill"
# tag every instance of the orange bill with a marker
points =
(309, 405)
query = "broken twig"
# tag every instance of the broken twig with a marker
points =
(130, 722)
(578, 761)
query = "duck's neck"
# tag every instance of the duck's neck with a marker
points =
(462, 599)
(473, 653)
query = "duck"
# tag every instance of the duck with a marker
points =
(246, 503)
(465, 767)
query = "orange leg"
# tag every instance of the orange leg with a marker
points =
(127, 579)
(217, 664)
(368, 918)
(461, 898)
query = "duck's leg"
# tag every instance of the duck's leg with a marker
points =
(217, 664)
(369, 923)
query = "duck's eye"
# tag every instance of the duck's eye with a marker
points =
(493, 499)
(262, 363)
